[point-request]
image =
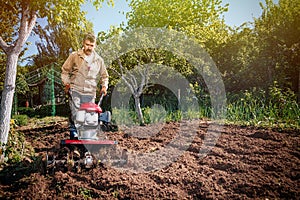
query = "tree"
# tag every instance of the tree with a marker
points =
(136, 80)
(199, 19)
(257, 54)
(56, 42)
(166, 57)
(236, 59)
(16, 26)
(278, 30)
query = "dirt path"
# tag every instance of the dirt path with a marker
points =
(245, 163)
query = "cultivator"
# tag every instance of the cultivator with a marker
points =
(91, 148)
(75, 155)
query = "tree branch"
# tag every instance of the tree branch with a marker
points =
(128, 84)
(3, 45)
(121, 66)
(123, 77)
(28, 21)
(133, 80)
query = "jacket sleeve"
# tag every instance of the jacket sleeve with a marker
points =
(66, 70)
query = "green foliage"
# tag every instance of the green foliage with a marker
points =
(274, 108)
(21, 84)
(20, 120)
(46, 110)
(256, 55)
(30, 112)
(124, 116)
(16, 148)
(177, 14)
(278, 31)
(203, 100)
(62, 110)
(9, 19)
(236, 59)
(199, 19)
(155, 114)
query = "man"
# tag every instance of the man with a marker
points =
(80, 75)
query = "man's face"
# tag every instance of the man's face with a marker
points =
(88, 47)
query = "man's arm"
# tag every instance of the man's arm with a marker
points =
(66, 70)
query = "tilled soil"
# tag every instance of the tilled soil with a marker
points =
(187, 160)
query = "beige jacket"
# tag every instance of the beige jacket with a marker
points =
(83, 77)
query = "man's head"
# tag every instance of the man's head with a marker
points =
(89, 43)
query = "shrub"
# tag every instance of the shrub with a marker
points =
(16, 148)
(273, 108)
(62, 110)
(21, 120)
(26, 111)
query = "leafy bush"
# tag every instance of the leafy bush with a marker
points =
(124, 116)
(155, 114)
(46, 110)
(26, 111)
(16, 148)
(21, 120)
(274, 108)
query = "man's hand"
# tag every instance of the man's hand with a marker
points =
(67, 88)
(103, 91)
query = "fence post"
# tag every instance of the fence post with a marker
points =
(52, 92)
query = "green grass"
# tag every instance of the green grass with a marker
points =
(275, 108)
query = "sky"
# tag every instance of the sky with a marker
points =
(239, 11)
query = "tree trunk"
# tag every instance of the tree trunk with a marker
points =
(12, 51)
(270, 76)
(139, 110)
(299, 84)
(8, 95)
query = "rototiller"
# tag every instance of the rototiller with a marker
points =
(90, 148)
